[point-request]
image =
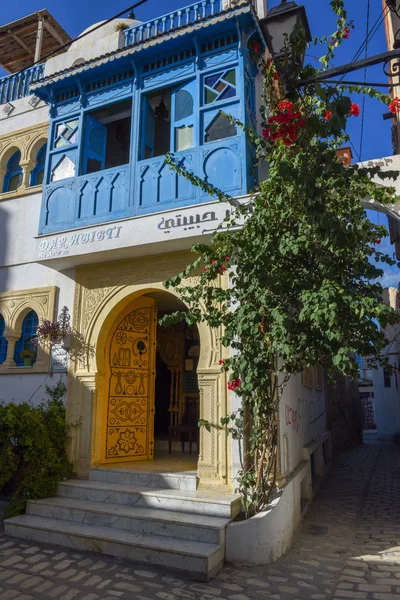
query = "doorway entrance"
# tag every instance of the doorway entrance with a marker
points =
(151, 395)
(177, 398)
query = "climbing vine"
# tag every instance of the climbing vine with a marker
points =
(302, 286)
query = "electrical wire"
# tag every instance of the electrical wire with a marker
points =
(369, 37)
(379, 21)
(82, 35)
(365, 78)
(357, 55)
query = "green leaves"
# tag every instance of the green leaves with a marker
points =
(298, 288)
(33, 441)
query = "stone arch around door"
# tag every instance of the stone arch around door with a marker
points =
(95, 313)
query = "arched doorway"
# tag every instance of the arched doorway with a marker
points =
(151, 393)
(129, 385)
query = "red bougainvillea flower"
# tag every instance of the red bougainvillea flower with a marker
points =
(227, 258)
(285, 125)
(345, 33)
(377, 241)
(234, 384)
(221, 362)
(354, 110)
(328, 115)
(285, 105)
(394, 106)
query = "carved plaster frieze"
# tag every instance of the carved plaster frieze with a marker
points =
(13, 307)
(97, 288)
(98, 294)
(92, 300)
(28, 142)
(24, 140)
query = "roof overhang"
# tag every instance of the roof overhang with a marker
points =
(146, 50)
(18, 40)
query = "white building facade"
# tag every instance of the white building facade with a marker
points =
(92, 219)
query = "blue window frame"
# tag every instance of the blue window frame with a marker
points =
(37, 173)
(168, 121)
(219, 96)
(3, 341)
(220, 86)
(64, 150)
(106, 139)
(13, 176)
(26, 341)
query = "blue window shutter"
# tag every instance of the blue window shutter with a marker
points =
(94, 144)
(38, 171)
(183, 116)
(3, 341)
(13, 176)
(28, 332)
(148, 125)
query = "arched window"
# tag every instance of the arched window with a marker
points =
(3, 341)
(37, 173)
(13, 176)
(26, 341)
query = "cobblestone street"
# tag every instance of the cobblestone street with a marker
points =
(348, 547)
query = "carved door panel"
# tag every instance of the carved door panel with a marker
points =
(130, 380)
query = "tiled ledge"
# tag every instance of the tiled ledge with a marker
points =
(21, 192)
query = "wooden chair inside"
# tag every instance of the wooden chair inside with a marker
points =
(188, 430)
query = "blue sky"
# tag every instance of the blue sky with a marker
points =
(77, 15)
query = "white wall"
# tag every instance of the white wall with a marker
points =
(23, 387)
(260, 5)
(269, 534)
(302, 418)
(103, 40)
(23, 115)
(387, 404)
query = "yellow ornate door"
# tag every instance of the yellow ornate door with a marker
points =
(130, 380)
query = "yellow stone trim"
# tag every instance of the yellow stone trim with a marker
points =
(101, 295)
(28, 141)
(14, 306)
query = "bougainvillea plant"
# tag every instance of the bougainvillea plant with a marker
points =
(49, 332)
(303, 289)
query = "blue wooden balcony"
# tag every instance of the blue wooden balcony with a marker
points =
(14, 87)
(94, 198)
(106, 153)
(189, 15)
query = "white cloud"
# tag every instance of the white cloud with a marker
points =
(390, 279)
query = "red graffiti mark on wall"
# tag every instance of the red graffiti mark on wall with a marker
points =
(292, 418)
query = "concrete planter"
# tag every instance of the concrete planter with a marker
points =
(267, 536)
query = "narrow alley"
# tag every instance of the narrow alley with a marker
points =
(347, 547)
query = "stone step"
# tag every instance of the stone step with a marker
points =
(145, 521)
(198, 560)
(185, 501)
(186, 480)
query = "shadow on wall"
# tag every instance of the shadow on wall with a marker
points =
(3, 247)
(344, 413)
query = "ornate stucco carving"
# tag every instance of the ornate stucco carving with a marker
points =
(14, 306)
(28, 141)
(99, 294)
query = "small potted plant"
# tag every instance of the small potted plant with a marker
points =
(27, 356)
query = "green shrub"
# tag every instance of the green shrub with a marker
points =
(33, 455)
